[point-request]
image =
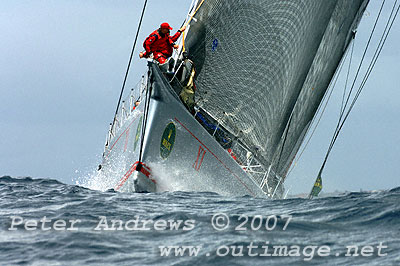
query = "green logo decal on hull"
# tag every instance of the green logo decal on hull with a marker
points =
(138, 129)
(167, 140)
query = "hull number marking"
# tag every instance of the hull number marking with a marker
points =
(200, 157)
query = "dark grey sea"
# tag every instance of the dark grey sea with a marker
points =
(46, 222)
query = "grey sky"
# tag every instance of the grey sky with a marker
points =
(61, 68)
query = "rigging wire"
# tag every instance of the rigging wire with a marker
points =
(348, 75)
(330, 89)
(129, 63)
(187, 23)
(378, 50)
(146, 113)
(369, 71)
(288, 125)
(356, 76)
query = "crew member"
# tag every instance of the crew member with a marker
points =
(161, 44)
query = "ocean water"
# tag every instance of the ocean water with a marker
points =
(46, 222)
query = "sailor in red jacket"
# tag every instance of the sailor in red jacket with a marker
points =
(160, 43)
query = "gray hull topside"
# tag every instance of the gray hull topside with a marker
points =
(195, 161)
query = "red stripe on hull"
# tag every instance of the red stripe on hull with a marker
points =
(237, 177)
(144, 169)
